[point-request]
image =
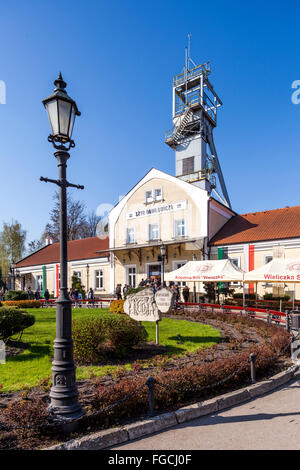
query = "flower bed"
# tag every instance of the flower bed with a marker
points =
(22, 303)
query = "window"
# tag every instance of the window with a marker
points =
(158, 194)
(131, 276)
(149, 196)
(39, 282)
(267, 259)
(236, 262)
(130, 235)
(188, 165)
(99, 279)
(153, 232)
(179, 228)
(153, 195)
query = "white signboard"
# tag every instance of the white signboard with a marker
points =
(142, 306)
(155, 209)
(164, 300)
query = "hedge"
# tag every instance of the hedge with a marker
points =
(13, 321)
(98, 338)
(16, 295)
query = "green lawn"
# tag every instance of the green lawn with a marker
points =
(28, 368)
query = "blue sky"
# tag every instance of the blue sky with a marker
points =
(118, 59)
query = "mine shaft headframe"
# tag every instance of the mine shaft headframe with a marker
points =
(193, 90)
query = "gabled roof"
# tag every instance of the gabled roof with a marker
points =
(260, 226)
(85, 248)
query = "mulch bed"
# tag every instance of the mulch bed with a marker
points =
(233, 341)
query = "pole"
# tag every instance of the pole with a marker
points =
(252, 367)
(244, 296)
(162, 270)
(294, 296)
(63, 392)
(157, 331)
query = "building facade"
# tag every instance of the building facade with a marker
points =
(87, 258)
(161, 209)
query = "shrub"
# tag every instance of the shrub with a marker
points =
(27, 412)
(98, 338)
(271, 297)
(239, 295)
(13, 321)
(16, 295)
(22, 303)
(117, 306)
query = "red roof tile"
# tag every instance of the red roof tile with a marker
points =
(258, 226)
(86, 248)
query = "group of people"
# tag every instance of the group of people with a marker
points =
(76, 295)
(156, 285)
(73, 294)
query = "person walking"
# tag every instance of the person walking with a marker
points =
(91, 297)
(118, 292)
(37, 295)
(125, 289)
(186, 293)
(29, 293)
(47, 296)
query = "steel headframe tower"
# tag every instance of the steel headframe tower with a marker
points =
(195, 105)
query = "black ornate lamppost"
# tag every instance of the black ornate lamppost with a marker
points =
(162, 254)
(62, 111)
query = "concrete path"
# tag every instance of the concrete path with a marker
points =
(269, 422)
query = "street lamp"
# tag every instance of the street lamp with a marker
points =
(64, 404)
(162, 254)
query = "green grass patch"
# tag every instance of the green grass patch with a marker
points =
(28, 368)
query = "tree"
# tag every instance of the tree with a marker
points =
(211, 290)
(12, 240)
(92, 225)
(76, 284)
(76, 220)
(34, 245)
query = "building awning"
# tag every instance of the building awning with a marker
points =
(207, 271)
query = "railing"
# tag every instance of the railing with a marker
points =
(195, 72)
(253, 312)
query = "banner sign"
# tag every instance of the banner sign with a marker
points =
(154, 210)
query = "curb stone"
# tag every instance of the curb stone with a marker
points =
(149, 426)
(196, 410)
(232, 399)
(111, 437)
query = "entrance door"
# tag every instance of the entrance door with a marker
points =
(155, 271)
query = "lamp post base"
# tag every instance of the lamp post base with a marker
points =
(63, 394)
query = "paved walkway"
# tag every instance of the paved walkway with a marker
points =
(269, 422)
